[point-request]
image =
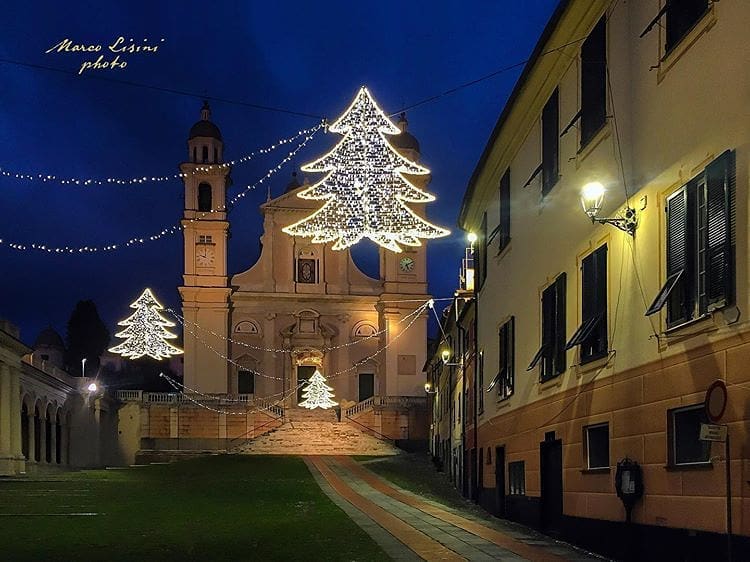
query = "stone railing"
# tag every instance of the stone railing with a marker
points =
(359, 407)
(269, 406)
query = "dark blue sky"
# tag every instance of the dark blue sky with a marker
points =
(305, 56)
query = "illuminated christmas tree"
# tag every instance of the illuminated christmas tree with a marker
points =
(365, 187)
(317, 394)
(146, 332)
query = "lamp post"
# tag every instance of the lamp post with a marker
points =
(592, 199)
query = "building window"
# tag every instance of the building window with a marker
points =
(505, 376)
(685, 446)
(480, 386)
(204, 197)
(516, 478)
(550, 142)
(596, 440)
(45, 357)
(594, 82)
(307, 271)
(481, 262)
(205, 239)
(700, 245)
(504, 231)
(551, 354)
(245, 382)
(591, 335)
(681, 17)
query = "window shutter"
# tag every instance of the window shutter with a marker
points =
(548, 330)
(720, 180)
(550, 142)
(510, 354)
(594, 82)
(505, 209)
(559, 343)
(677, 248)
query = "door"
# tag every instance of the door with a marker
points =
(550, 457)
(500, 481)
(480, 476)
(366, 386)
(304, 374)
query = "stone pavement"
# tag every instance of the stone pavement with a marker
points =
(409, 527)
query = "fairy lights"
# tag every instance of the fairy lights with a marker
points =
(365, 189)
(167, 231)
(146, 332)
(317, 394)
(47, 178)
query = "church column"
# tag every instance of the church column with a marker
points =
(31, 437)
(53, 439)
(42, 436)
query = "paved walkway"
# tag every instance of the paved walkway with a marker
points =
(409, 527)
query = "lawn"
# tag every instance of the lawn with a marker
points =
(213, 508)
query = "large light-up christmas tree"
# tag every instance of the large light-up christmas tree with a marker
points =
(317, 394)
(146, 332)
(365, 187)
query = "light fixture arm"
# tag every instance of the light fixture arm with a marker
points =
(627, 223)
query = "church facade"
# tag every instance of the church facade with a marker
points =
(301, 306)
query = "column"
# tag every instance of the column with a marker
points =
(53, 440)
(63, 441)
(15, 423)
(43, 436)
(6, 404)
(31, 438)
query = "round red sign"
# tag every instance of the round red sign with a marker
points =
(716, 401)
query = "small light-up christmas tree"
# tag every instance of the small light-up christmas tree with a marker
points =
(365, 188)
(317, 394)
(146, 332)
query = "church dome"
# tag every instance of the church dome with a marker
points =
(204, 127)
(405, 140)
(294, 184)
(49, 338)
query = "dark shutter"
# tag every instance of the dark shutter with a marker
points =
(510, 354)
(505, 209)
(720, 180)
(548, 332)
(682, 15)
(481, 264)
(550, 142)
(594, 82)
(559, 343)
(677, 255)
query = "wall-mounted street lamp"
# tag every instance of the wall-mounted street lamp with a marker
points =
(428, 388)
(445, 355)
(592, 198)
(92, 387)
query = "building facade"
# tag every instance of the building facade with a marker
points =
(301, 306)
(602, 341)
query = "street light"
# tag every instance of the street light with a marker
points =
(428, 388)
(592, 199)
(83, 367)
(92, 387)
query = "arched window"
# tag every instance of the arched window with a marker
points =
(307, 266)
(204, 197)
(205, 154)
(195, 154)
(247, 327)
(216, 155)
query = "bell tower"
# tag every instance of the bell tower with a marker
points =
(205, 290)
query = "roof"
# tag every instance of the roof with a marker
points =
(49, 338)
(205, 128)
(404, 141)
(509, 105)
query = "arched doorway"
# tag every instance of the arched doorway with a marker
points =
(25, 430)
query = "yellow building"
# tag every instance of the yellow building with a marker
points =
(650, 100)
(301, 306)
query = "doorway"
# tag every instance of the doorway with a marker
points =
(550, 465)
(480, 476)
(366, 386)
(500, 481)
(304, 374)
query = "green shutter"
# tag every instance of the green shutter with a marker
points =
(559, 343)
(720, 180)
(677, 258)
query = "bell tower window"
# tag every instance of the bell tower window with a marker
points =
(204, 197)
(195, 154)
(205, 154)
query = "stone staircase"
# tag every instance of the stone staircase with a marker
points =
(316, 432)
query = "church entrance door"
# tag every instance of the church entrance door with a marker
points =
(366, 386)
(304, 374)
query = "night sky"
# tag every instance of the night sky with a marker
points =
(308, 57)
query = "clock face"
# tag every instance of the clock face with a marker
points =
(406, 265)
(204, 256)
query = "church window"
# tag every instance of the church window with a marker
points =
(363, 330)
(246, 327)
(245, 382)
(205, 239)
(205, 154)
(195, 154)
(307, 267)
(216, 155)
(204, 197)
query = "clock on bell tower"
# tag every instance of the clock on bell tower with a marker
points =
(205, 291)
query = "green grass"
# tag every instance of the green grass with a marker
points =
(214, 508)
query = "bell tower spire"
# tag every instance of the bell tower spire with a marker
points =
(205, 290)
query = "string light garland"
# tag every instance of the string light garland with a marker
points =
(416, 313)
(46, 177)
(365, 188)
(146, 332)
(167, 231)
(317, 394)
(184, 321)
